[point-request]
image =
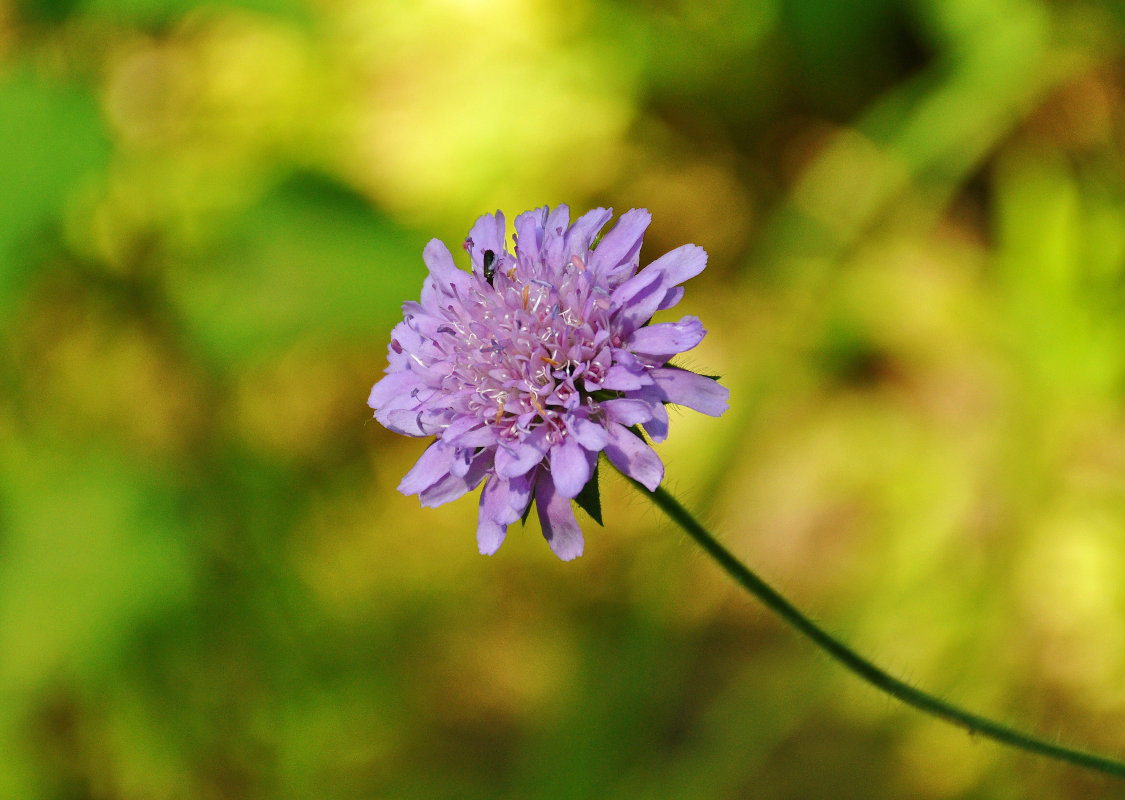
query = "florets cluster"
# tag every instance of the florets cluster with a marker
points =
(539, 359)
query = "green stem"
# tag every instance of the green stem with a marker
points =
(861, 666)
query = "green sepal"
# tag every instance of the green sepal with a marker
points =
(527, 511)
(590, 499)
(641, 434)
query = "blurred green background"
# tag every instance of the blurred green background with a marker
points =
(210, 213)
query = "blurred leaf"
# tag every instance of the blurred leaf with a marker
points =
(48, 11)
(1039, 222)
(51, 138)
(163, 12)
(692, 46)
(311, 260)
(89, 551)
(1067, 319)
(847, 354)
(827, 35)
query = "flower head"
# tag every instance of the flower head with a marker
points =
(538, 360)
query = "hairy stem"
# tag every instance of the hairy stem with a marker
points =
(862, 667)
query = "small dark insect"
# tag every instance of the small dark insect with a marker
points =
(489, 268)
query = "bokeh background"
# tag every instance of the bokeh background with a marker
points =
(210, 213)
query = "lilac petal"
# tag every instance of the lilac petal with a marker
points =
(621, 378)
(657, 427)
(404, 341)
(451, 487)
(516, 459)
(601, 362)
(444, 491)
(628, 411)
(396, 384)
(494, 516)
(519, 492)
(529, 233)
(554, 236)
(459, 427)
(558, 221)
(487, 234)
(634, 457)
(440, 263)
(462, 462)
(627, 359)
(640, 311)
(671, 298)
(581, 234)
(636, 285)
(621, 245)
(434, 372)
(556, 518)
(414, 400)
(428, 325)
(407, 421)
(481, 436)
(589, 434)
(490, 533)
(680, 264)
(685, 388)
(638, 299)
(667, 338)
(408, 401)
(570, 467)
(429, 469)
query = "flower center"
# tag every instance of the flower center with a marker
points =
(520, 343)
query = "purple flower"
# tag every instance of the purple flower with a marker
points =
(538, 360)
